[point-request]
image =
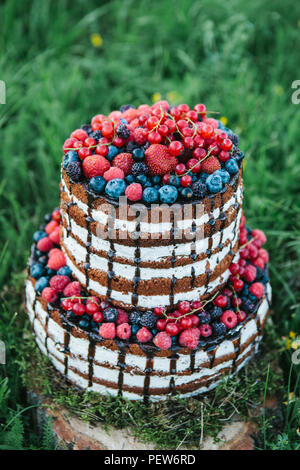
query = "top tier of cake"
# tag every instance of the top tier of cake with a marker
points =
(129, 251)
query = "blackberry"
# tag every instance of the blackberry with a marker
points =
(204, 317)
(148, 319)
(74, 171)
(139, 169)
(234, 138)
(199, 189)
(238, 154)
(247, 305)
(123, 131)
(126, 106)
(215, 313)
(131, 146)
(218, 328)
(110, 314)
(96, 135)
(134, 318)
(87, 128)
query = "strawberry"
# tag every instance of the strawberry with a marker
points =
(210, 165)
(95, 165)
(159, 160)
(124, 161)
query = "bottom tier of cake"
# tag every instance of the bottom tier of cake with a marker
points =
(137, 372)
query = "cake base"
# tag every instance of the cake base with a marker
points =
(72, 433)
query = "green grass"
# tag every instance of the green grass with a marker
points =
(238, 57)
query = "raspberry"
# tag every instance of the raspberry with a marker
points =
(162, 340)
(95, 165)
(51, 226)
(264, 255)
(260, 238)
(79, 134)
(114, 173)
(49, 294)
(256, 289)
(140, 135)
(107, 330)
(229, 318)
(57, 260)
(55, 236)
(122, 317)
(134, 192)
(205, 330)
(59, 283)
(124, 161)
(72, 290)
(190, 338)
(144, 335)
(210, 165)
(159, 160)
(259, 262)
(249, 273)
(44, 244)
(124, 331)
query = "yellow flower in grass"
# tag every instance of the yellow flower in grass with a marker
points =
(224, 120)
(174, 97)
(295, 344)
(96, 40)
(291, 398)
(156, 97)
(292, 334)
(278, 90)
(288, 343)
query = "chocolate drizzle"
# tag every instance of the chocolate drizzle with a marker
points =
(121, 364)
(148, 372)
(137, 260)
(111, 255)
(89, 220)
(91, 357)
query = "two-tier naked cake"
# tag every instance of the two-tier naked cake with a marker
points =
(146, 282)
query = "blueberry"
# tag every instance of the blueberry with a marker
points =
(134, 318)
(204, 317)
(231, 166)
(148, 184)
(84, 324)
(64, 271)
(112, 152)
(187, 193)
(115, 188)
(43, 260)
(50, 272)
(168, 194)
(110, 314)
(214, 183)
(138, 154)
(225, 176)
(87, 128)
(129, 179)
(37, 270)
(39, 235)
(150, 195)
(142, 179)
(203, 177)
(97, 184)
(174, 181)
(70, 157)
(134, 329)
(156, 179)
(41, 283)
(47, 218)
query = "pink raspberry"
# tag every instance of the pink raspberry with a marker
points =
(260, 237)
(44, 244)
(263, 254)
(55, 236)
(124, 331)
(51, 226)
(72, 290)
(114, 173)
(162, 340)
(140, 135)
(257, 289)
(59, 283)
(134, 192)
(249, 273)
(144, 335)
(107, 330)
(57, 260)
(229, 318)
(259, 262)
(122, 317)
(243, 236)
(205, 330)
(190, 338)
(241, 316)
(49, 294)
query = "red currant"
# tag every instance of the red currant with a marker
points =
(221, 301)
(172, 329)
(184, 307)
(180, 169)
(186, 180)
(186, 323)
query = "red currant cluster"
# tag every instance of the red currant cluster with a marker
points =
(90, 305)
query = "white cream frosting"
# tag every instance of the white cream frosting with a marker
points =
(52, 344)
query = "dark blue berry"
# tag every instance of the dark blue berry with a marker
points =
(168, 194)
(64, 271)
(139, 168)
(70, 157)
(138, 154)
(204, 317)
(129, 179)
(174, 181)
(115, 188)
(134, 318)
(41, 283)
(39, 235)
(112, 152)
(215, 313)
(37, 270)
(123, 131)
(96, 135)
(74, 171)
(150, 195)
(110, 314)
(97, 184)
(218, 328)
(199, 189)
(126, 106)
(187, 193)
(148, 319)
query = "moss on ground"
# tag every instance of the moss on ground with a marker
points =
(173, 423)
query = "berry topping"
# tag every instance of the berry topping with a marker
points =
(59, 283)
(73, 289)
(190, 338)
(107, 330)
(134, 192)
(124, 161)
(56, 260)
(229, 319)
(144, 335)
(162, 340)
(257, 289)
(159, 160)
(95, 165)
(49, 294)
(124, 331)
